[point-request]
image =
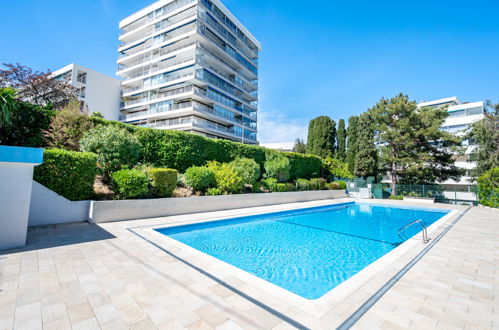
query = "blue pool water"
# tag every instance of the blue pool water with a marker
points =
(307, 251)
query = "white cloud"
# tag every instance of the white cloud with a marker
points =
(276, 127)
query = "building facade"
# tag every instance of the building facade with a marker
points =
(99, 92)
(461, 116)
(189, 65)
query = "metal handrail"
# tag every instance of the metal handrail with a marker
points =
(423, 226)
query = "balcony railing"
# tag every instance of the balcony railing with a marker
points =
(150, 18)
(163, 81)
(148, 57)
(161, 66)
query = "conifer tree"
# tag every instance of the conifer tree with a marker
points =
(321, 137)
(341, 141)
(351, 142)
(366, 157)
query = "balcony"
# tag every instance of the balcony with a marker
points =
(162, 65)
(164, 80)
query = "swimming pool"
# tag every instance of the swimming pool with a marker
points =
(307, 251)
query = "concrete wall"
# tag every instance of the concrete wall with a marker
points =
(107, 211)
(47, 208)
(16, 175)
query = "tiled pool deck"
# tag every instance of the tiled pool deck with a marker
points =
(85, 276)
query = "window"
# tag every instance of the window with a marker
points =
(81, 77)
(82, 92)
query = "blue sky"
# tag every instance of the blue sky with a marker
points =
(326, 57)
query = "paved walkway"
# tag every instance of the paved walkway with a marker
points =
(84, 276)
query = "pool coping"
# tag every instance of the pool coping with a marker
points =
(269, 293)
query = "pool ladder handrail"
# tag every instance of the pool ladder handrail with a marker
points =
(423, 226)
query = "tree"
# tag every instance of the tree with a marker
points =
(413, 147)
(341, 138)
(300, 146)
(352, 142)
(485, 133)
(366, 157)
(321, 137)
(68, 127)
(36, 87)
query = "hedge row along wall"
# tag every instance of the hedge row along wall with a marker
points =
(70, 174)
(181, 150)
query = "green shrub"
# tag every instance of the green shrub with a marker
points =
(281, 187)
(290, 187)
(71, 174)
(163, 181)
(200, 178)
(270, 184)
(303, 166)
(302, 185)
(343, 184)
(226, 178)
(116, 148)
(333, 186)
(256, 187)
(337, 168)
(27, 123)
(277, 166)
(318, 184)
(130, 184)
(396, 197)
(488, 188)
(247, 169)
(214, 192)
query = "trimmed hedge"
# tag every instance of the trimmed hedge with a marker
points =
(303, 166)
(71, 174)
(129, 184)
(163, 181)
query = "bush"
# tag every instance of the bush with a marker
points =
(281, 187)
(200, 178)
(333, 186)
(343, 184)
(303, 166)
(337, 168)
(226, 178)
(396, 197)
(70, 174)
(214, 192)
(488, 188)
(277, 166)
(270, 184)
(302, 185)
(247, 169)
(318, 184)
(129, 184)
(116, 148)
(27, 124)
(256, 187)
(163, 181)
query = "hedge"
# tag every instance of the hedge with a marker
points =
(488, 188)
(70, 174)
(163, 181)
(303, 166)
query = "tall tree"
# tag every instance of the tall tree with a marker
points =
(300, 146)
(352, 142)
(366, 157)
(321, 137)
(413, 147)
(36, 87)
(485, 134)
(341, 137)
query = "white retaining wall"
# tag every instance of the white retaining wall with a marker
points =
(48, 208)
(108, 211)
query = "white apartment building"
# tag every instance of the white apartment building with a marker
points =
(461, 116)
(189, 65)
(99, 92)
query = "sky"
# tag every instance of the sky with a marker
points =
(327, 57)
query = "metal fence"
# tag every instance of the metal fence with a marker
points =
(448, 194)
